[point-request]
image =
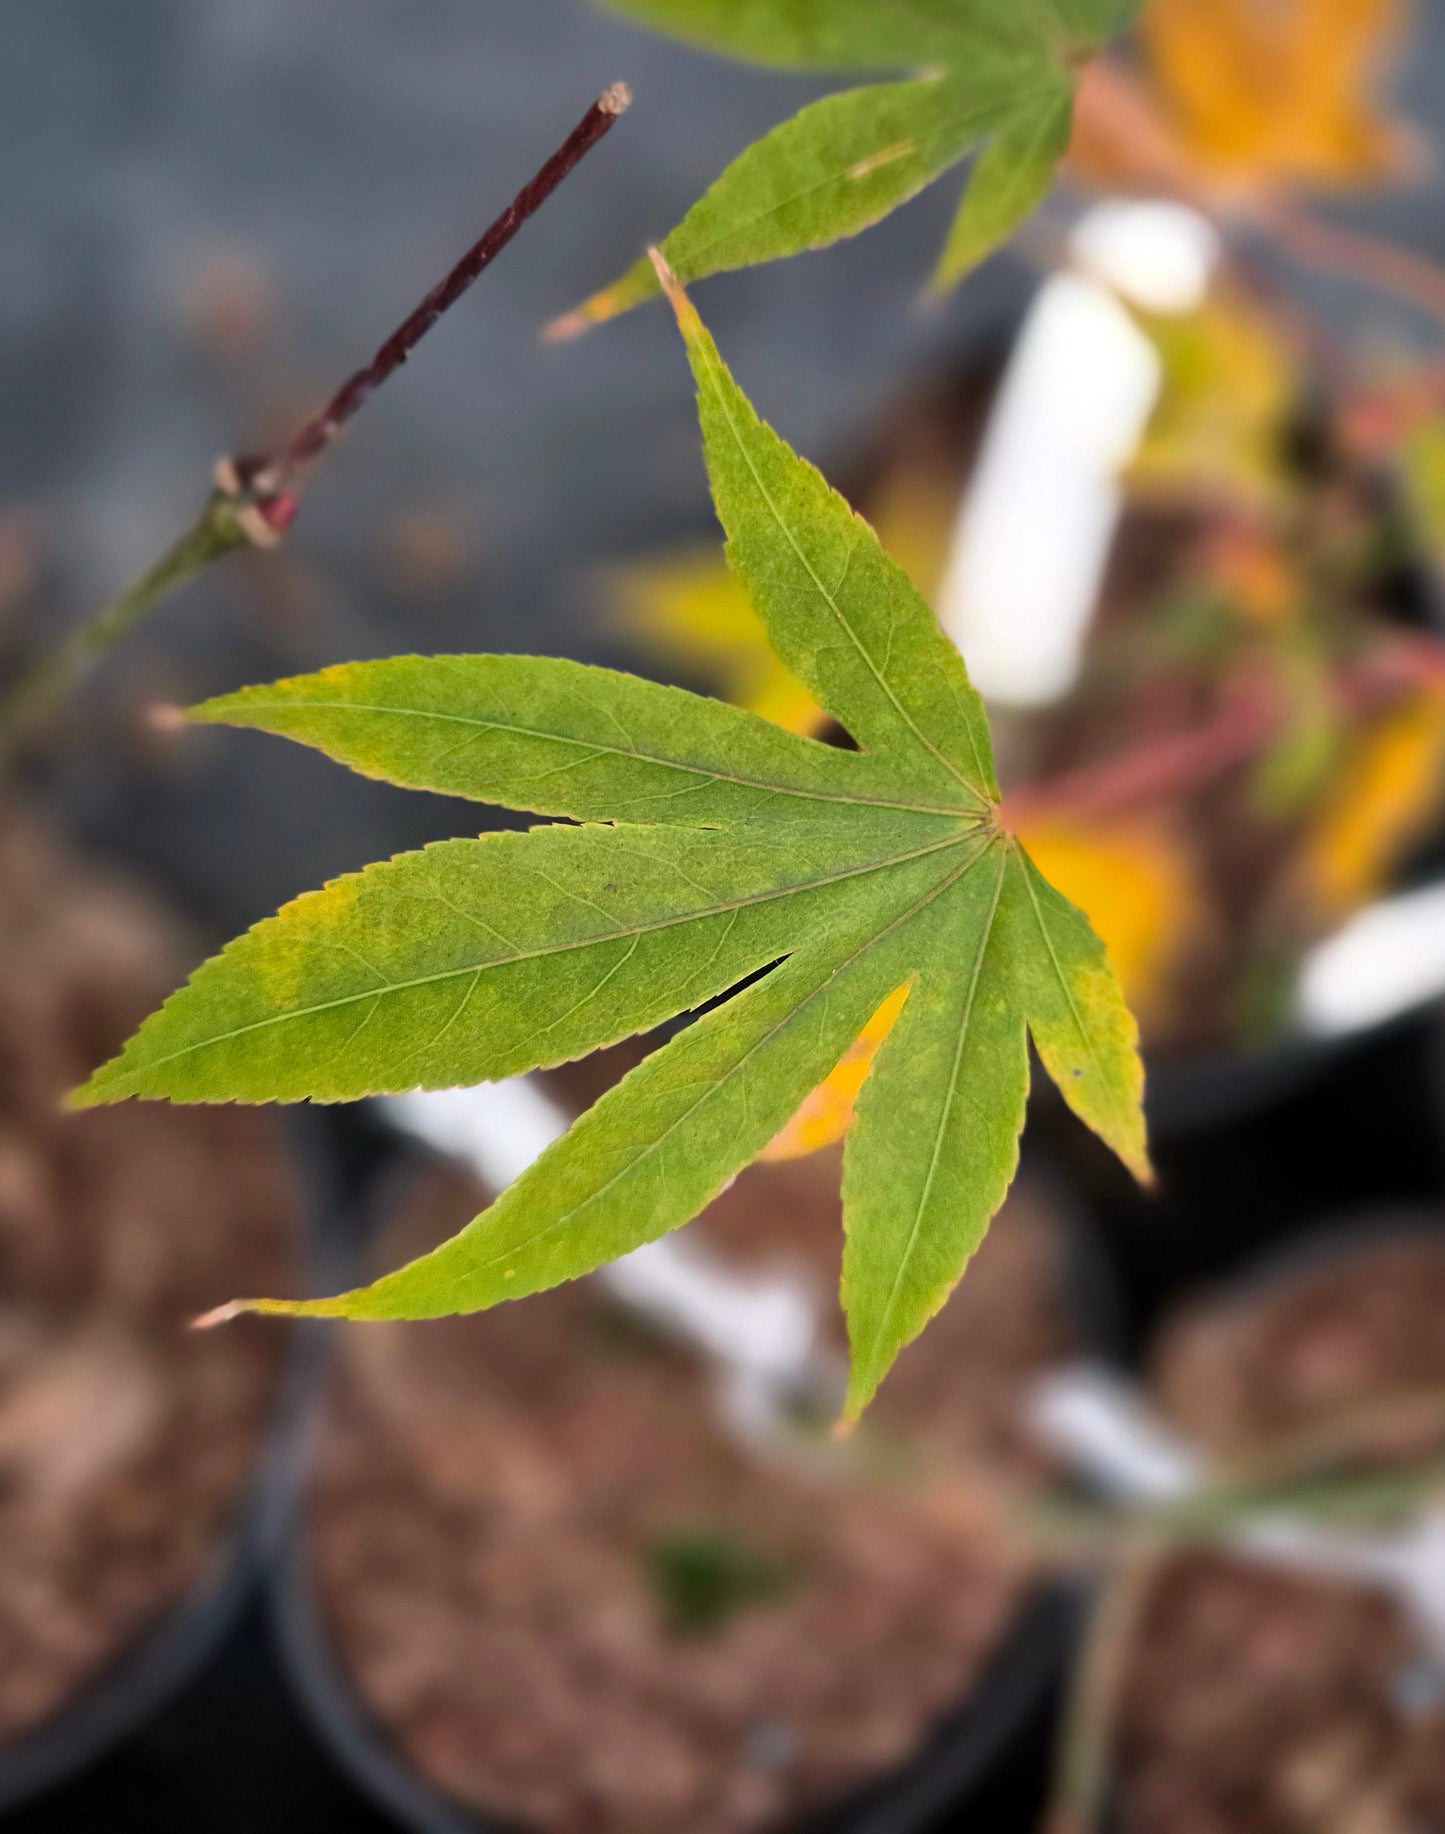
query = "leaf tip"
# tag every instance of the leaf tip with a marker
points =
(213, 712)
(942, 283)
(1130, 1144)
(266, 1308)
(166, 717)
(220, 1315)
(89, 1094)
(862, 1386)
(569, 325)
(610, 302)
(339, 1307)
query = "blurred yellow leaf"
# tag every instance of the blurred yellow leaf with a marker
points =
(690, 610)
(1259, 91)
(1133, 878)
(1227, 389)
(1422, 464)
(828, 1112)
(1387, 791)
(1241, 96)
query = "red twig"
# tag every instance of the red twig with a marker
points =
(1367, 259)
(273, 484)
(1242, 726)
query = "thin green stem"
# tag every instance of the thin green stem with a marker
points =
(1081, 1774)
(1205, 1516)
(216, 532)
(1298, 1475)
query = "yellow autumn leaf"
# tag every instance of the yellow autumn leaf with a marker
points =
(1264, 91)
(1389, 788)
(1422, 467)
(1228, 385)
(1234, 97)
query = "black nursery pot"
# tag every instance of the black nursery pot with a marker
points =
(1345, 1241)
(164, 1659)
(189, 1633)
(151, 1552)
(985, 1761)
(983, 1764)
(1250, 1149)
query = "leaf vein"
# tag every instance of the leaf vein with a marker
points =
(985, 937)
(560, 948)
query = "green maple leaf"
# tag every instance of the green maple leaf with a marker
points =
(711, 846)
(1000, 84)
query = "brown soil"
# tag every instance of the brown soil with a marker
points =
(1260, 1701)
(1357, 1330)
(125, 1440)
(494, 1493)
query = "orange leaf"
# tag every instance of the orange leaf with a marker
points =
(828, 1112)
(1239, 96)
(1388, 790)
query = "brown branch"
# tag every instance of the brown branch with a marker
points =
(319, 433)
(254, 500)
(1245, 723)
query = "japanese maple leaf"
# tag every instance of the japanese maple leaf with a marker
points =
(997, 82)
(712, 847)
